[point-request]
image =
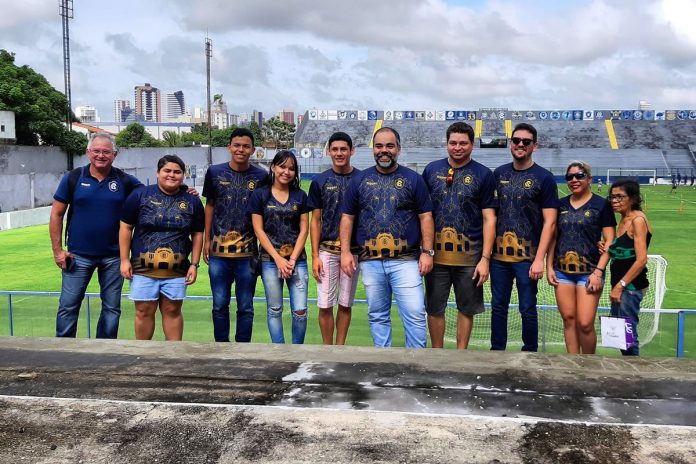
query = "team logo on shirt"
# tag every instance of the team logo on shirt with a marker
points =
(588, 213)
(529, 183)
(183, 205)
(113, 186)
(467, 179)
(295, 207)
(399, 183)
(251, 185)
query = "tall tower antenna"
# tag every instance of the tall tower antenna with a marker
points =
(208, 55)
(65, 9)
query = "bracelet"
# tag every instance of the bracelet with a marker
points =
(196, 265)
(599, 269)
(485, 257)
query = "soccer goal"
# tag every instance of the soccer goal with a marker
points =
(643, 176)
(550, 322)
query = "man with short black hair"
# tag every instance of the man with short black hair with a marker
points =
(230, 242)
(95, 196)
(463, 195)
(525, 225)
(393, 212)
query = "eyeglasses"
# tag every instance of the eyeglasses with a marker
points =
(575, 175)
(450, 177)
(616, 197)
(101, 152)
(525, 142)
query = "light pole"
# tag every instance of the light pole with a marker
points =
(208, 55)
(65, 9)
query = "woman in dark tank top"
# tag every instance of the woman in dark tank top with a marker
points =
(629, 255)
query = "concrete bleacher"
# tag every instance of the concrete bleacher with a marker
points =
(316, 133)
(655, 134)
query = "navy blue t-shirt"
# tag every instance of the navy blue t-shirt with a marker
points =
(522, 196)
(281, 221)
(326, 193)
(457, 209)
(163, 227)
(386, 208)
(96, 210)
(232, 233)
(579, 230)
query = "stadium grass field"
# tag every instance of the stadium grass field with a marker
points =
(27, 265)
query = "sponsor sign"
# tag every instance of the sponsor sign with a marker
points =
(692, 115)
(555, 115)
(398, 115)
(450, 115)
(388, 115)
(332, 115)
(516, 115)
(543, 115)
(567, 115)
(372, 115)
(440, 115)
(682, 115)
(577, 115)
(626, 115)
(671, 115)
(599, 114)
(430, 115)
(660, 115)
(306, 152)
(317, 152)
(471, 115)
(649, 115)
(419, 115)
(530, 116)
(409, 115)
(615, 114)
(588, 115)
(313, 114)
(362, 115)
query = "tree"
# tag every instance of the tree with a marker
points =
(278, 133)
(172, 139)
(135, 135)
(256, 130)
(39, 109)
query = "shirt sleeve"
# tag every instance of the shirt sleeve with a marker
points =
(423, 202)
(607, 218)
(129, 212)
(350, 203)
(549, 192)
(63, 193)
(488, 197)
(198, 215)
(314, 199)
(255, 205)
(135, 182)
(208, 190)
(304, 206)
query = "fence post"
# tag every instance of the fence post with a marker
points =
(89, 321)
(9, 307)
(681, 318)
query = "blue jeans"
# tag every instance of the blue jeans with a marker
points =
(223, 272)
(629, 307)
(502, 275)
(381, 277)
(74, 286)
(297, 287)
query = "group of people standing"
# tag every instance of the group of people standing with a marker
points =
(412, 237)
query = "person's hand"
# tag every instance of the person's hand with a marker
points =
(348, 264)
(285, 268)
(481, 272)
(317, 268)
(616, 292)
(536, 270)
(602, 247)
(192, 191)
(62, 259)
(594, 283)
(206, 251)
(425, 263)
(126, 269)
(191, 274)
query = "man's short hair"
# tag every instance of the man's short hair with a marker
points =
(241, 132)
(388, 129)
(102, 135)
(526, 127)
(171, 159)
(461, 128)
(341, 136)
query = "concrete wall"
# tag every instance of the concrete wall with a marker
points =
(24, 218)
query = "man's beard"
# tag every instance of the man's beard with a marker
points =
(385, 164)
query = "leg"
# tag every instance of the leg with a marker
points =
(437, 288)
(172, 319)
(407, 284)
(110, 288)
(343, 317)
(273, 285)
(346, 297)
(72, 293)
(244, 288)
(378, 293)
(297, 287)
(630, 308)
(465, 322)
(527, 293)
(145, 319)
(502, 276)
(586, 311)
(326, 295)
(565, 299)
(221, 277)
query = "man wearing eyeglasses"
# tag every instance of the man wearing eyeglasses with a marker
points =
(230, 242)
(95, 194)
(391, 208)
(463, 195)
(525, 225)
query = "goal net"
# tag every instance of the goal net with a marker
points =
(643, 176)
(550, 321)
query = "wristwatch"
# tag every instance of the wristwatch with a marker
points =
(623, 283)
(430, 252)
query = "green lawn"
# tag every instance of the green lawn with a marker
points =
(28, 265)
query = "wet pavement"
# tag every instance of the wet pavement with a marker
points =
(595, 401)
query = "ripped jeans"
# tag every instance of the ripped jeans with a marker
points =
(297, 286)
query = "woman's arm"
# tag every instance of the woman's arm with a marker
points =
(640, 243)
(192, 273)
(301, 238)
(125, 236)
(550, 256)
(282, 264)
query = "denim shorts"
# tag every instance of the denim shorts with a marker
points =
(144, 288)
(571, 279)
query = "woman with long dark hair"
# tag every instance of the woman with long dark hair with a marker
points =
(279, 215)
(629, 255)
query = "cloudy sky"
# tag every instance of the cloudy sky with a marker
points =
(366, 54)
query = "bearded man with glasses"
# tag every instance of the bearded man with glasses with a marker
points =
(525, 226)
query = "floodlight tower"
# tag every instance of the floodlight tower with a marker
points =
(208, 55)
(65, 9)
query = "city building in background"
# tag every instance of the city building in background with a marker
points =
(148, 102)
(122, 109)
(287, 115)
(258, 118)
(174, 107)
(87, 113)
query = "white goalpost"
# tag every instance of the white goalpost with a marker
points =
(550, 322)
(644, 176)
